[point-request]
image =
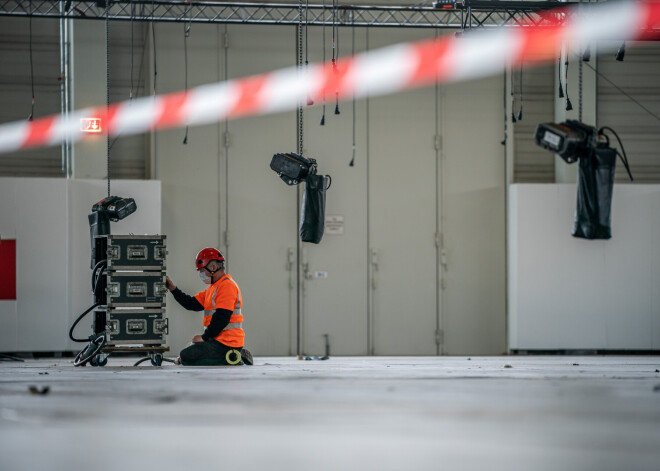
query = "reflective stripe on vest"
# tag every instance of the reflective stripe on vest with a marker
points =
(209, 313)
(234, 325)
(239, 302)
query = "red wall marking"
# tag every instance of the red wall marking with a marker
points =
(8, 269)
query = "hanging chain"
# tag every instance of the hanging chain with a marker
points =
(107, 83)
(300, 71)
(323, 34)
(580, 60)
(130, 94)
(31, 117)
(186, 33)
(354, 117)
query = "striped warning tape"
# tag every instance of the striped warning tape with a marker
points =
(379, 72)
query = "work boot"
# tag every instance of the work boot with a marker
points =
(246, 356)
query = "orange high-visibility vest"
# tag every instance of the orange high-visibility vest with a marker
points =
(224, 294)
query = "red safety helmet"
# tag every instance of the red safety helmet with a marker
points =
(205, 256)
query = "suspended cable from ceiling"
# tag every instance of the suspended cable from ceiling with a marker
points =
(310, 102)
(31, 63)
(623, 92)
(569, 105)
(513, 97)
(580, 86)
(153, 40)
(323, 34)
(352, 162)
(130, 94)
(107, 85)
(561, 89)
(186, 33)
(299, 66)
(520, 113)
(335, 49)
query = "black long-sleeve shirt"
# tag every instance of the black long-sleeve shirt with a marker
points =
(219, 319)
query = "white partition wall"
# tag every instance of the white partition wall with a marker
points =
(33, 211)
(572, 294)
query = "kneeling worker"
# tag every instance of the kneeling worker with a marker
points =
(223, 338)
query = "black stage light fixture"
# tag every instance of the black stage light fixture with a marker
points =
(569, 139)
(574, 141)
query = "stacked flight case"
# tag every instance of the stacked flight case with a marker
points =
(132, 294)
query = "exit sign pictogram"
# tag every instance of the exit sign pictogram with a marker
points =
(90, 125)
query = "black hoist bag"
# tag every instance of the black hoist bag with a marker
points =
(312, 212)
(594, 195)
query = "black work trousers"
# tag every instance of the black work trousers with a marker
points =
(210, 353)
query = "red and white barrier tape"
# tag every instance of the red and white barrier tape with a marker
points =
(379, 72)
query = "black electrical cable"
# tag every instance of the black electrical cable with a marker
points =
(580, 90)
(75, 323)
(96, 277)
(96, 344)
(624, 157)
(323, 33)
(623, 92)
(561, 89)
(96, 267)
(107, 85)
(569, 105)
(335, 49)
(5, 357)
(299, 66)
(513, 98)
(310, 102)
(31, 117)
(130, 94)
(352, 162)
(153, 40)
(580, 85)
(520, 114)
(141, 360)
(186, 33)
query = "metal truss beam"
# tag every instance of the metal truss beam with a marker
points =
(464, 14)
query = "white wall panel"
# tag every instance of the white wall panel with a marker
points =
(568, 293)
(474, 305)
(403, 209)
(35, 214)
(261, 214)
(41, 263)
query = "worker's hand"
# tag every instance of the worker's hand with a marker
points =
(197, 339)
(169, 284)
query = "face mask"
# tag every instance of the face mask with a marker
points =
(204, 277)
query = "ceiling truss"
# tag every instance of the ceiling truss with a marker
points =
(463, 14)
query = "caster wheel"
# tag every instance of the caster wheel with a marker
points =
(101, 360)
(157, 359)
(93, 361)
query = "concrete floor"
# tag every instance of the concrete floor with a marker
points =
(382, 413)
